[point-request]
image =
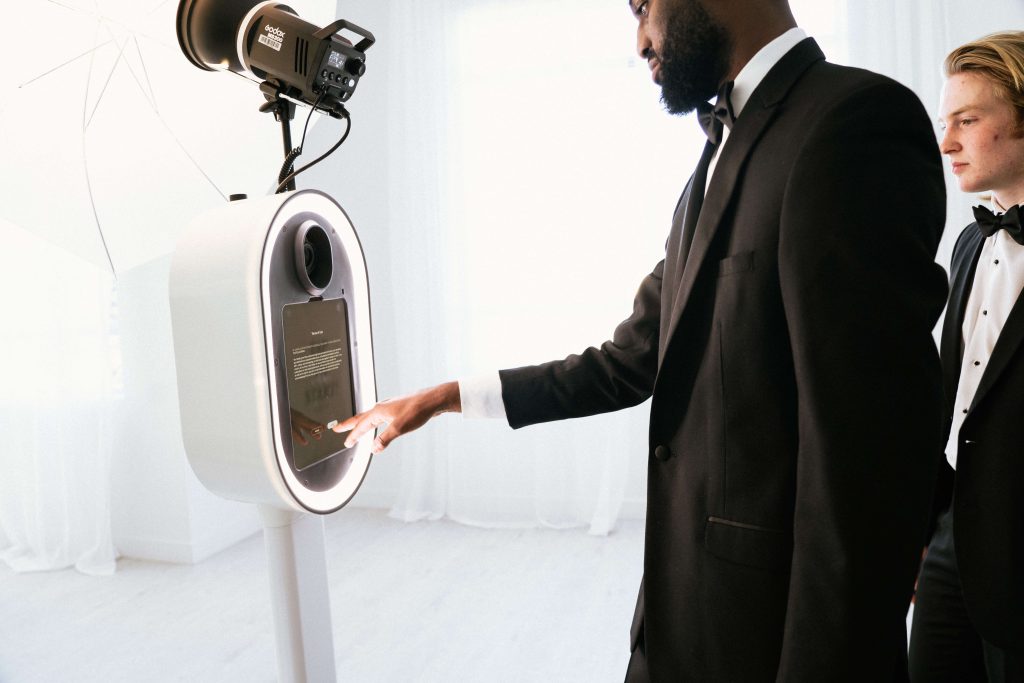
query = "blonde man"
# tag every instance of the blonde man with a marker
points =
(969, 618)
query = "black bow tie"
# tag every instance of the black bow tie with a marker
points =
(712, 118)
(990, 223)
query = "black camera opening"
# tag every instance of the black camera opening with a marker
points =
(314, 258)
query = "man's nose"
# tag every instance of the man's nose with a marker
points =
(948, 143)
(643, 43)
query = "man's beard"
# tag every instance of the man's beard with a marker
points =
(694, 58)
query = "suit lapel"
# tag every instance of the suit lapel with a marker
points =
(752, 122)
(965, 261)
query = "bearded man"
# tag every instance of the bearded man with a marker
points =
(785, 341)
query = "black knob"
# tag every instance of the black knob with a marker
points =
(662, 453)
(355, 67)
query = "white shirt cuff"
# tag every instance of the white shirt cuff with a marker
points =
(481, 396)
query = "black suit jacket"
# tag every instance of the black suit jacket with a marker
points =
(797, 398)
(988, 515)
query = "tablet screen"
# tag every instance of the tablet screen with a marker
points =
(319, 371)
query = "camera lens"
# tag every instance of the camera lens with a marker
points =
(314, 263)
(309, 257)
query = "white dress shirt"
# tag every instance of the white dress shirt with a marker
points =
(751, 75)
(998, 281)
(481, 395)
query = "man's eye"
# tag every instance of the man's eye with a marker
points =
(641, 8)
(966, 122)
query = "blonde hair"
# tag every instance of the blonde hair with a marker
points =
(999, 57)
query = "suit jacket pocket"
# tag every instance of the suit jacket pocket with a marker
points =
(748, 544)
(737, 263)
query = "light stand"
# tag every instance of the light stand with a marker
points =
(299, 594)
(283, 111)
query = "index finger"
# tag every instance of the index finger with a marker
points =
(346, 425)
(361, 425)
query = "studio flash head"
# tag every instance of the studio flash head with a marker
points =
(269, 43)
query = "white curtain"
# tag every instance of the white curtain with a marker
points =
(523, 214)
(412, 327)
(58, 360)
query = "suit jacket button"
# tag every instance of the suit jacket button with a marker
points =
(662, 453)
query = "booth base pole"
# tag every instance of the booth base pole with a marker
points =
(299, 593)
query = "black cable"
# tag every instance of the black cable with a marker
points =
(332, 150)
(289, 163)
(289, 159)
(306, 127)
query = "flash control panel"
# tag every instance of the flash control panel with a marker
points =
(339, 74)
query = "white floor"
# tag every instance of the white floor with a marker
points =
(432, 601)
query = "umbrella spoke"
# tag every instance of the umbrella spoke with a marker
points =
(61, 66)
(158, 6)
(99, 100)
(85, 160)
(195, 163)
(95, 213)
(145, 74)
(88, 83)
(61, 4)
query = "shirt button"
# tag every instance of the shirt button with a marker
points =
(662, 453)
(964, 411)
(977, 362)
(984, 312)
(997, 262)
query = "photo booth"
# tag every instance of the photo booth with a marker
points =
(270, 311)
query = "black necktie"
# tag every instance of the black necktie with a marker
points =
(990, 223)
(712, 119)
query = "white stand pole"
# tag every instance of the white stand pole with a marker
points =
(297, 565)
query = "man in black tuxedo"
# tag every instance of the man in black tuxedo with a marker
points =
(969, 616)
(786, 342)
